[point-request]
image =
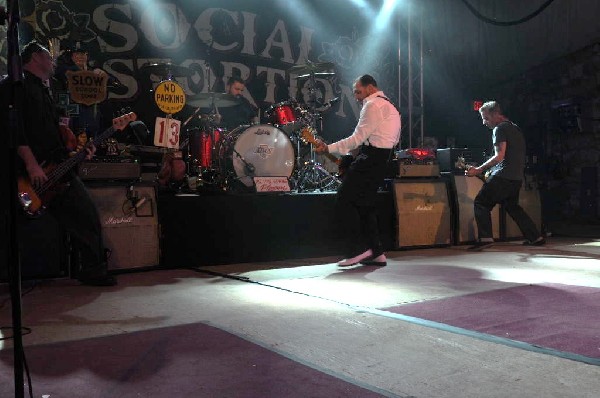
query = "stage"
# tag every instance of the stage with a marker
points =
(511, 321)
(223, 229)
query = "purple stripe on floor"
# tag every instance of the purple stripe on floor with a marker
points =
(561, 317)
(194, 360)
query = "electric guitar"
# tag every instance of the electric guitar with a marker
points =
(33, 199)
(307, 135)
(463, 165)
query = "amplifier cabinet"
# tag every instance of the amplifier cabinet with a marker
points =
(464, 191)
(423, 213)
(529, 199)
(129, 219)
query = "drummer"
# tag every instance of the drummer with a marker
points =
(242, 113)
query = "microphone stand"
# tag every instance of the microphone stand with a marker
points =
(15, 73)
(247, 165)
(312, 175)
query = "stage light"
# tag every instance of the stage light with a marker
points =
(385, 14)
(364, 6)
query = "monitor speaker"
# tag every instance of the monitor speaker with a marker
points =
(129, 221)
(423, 213)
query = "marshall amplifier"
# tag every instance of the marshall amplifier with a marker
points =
(423, 213)
(407, 169)
(129, 221)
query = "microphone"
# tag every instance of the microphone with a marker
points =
(330, 103)
(191, 117)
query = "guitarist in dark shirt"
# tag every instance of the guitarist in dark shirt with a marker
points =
(505, 179)
(39, 145)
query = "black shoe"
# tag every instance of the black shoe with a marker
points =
(380, 261)
(480, 246)
(541, 241)
(355, 259)
(102, 280)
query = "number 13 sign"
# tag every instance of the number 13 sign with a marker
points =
(166, 132)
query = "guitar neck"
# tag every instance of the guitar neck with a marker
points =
(59, 172)
(331, 157)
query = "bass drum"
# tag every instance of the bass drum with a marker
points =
(261, 150)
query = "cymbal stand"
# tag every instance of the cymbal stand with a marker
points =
(312, 175)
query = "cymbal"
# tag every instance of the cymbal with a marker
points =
(313, 67)
(206, 100)
(318, 74)
(166, 69)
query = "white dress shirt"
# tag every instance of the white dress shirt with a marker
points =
(378, 126)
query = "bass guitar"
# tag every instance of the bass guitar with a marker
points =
(33, 199)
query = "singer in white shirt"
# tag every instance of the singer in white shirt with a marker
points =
(376, 134)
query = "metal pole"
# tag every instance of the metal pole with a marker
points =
(15, 73)
(410, 78)
(422, 104)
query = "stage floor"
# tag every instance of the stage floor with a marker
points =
(229, 330)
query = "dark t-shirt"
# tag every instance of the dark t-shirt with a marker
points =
(513, 164)
(40, 119)
(238, 115)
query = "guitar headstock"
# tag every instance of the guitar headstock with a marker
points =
(307, 136)
(119, 123)
(460, 163)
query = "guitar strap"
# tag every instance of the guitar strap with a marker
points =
(388, 100)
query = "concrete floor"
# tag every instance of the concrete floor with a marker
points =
(327, 318)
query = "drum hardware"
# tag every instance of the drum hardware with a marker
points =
(310, 68)
(318, 74)
(311, 175)
(247, 165)
(166, 70)
(208, 100)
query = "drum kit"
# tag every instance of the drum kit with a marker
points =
(217, 159)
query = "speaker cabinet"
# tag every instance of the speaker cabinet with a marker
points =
(128, 215)
(465, 190)
(423, 213)
(529, 199)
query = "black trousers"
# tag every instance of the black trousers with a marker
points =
(77, 213)
(502, 191)
(356, 211)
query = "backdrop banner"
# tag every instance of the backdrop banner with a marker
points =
(258, 40)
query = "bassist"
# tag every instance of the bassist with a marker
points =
(39, 146)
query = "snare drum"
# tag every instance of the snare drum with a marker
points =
(285, 115)
(260, 150)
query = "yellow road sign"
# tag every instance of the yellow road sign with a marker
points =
(169, 96)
